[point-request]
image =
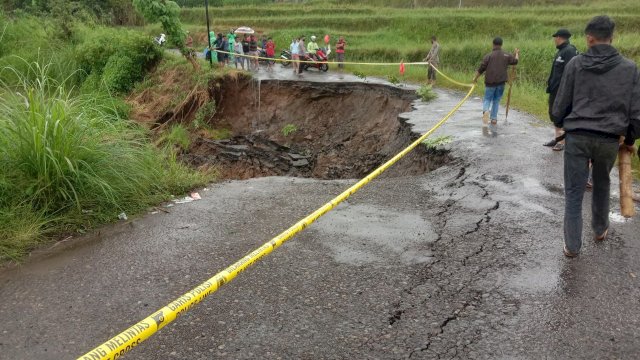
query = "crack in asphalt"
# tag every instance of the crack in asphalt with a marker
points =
(443, 325)
(442, 216)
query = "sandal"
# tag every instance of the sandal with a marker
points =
(568, 253)
(603, 236)
(551, 143)
(558, 147)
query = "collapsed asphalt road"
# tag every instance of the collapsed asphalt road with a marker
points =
(462, 262)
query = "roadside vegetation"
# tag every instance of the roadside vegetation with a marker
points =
(70, 157)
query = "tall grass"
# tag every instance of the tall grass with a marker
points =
(69, 163)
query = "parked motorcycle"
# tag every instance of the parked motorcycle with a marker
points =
(285, 55)
(263, 60)
(319, 60)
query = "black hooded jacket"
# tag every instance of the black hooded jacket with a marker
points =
(565, 53)
(600, 94)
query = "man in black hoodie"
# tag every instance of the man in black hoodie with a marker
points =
(566, 52)
(597, 104)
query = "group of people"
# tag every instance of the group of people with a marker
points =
(594, 103)
(245, 52)
(230, 49)
(302, 51)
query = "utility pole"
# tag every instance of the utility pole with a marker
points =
(206, 7)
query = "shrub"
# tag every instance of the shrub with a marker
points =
(99, 47)
(426, 93)
(121, 73)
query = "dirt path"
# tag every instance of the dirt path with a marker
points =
(461, 262)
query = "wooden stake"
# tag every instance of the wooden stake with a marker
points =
(627, 207)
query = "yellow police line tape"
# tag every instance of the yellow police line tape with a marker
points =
(134, 335)
(348, 63)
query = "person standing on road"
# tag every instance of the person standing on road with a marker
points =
(433, 58)
(340, 45)
(253, 51)
(495, 64)
(238, 50)
(245, 49)
(231, 38)
(295, 54)
(598, 103)
(566, 52)
(270, 51)
(302, 52)
(219, 45)
(225, 48)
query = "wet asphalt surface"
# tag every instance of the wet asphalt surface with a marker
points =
(463, 262)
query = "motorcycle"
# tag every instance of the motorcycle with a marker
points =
(263, 56)
(286, 56)
(319, 60)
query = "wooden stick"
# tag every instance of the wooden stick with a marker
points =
(627, 207)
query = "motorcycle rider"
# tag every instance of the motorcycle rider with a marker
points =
(161, 39)
(312, 47)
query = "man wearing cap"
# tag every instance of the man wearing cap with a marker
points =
(597, 104)
(433, 58)
(495, 66)
(566, 52)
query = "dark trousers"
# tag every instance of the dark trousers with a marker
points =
(577, 152)
(552, 98)
(431, 74)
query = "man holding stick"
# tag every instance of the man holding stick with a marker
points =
(495, 66)
(597, 104)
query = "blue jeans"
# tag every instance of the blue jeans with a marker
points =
(492, 96)
(577, 152)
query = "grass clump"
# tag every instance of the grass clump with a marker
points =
(393, 79)
(177, 137)
(436, 142)
(69, 162)
(426, 93)
(289, 129)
